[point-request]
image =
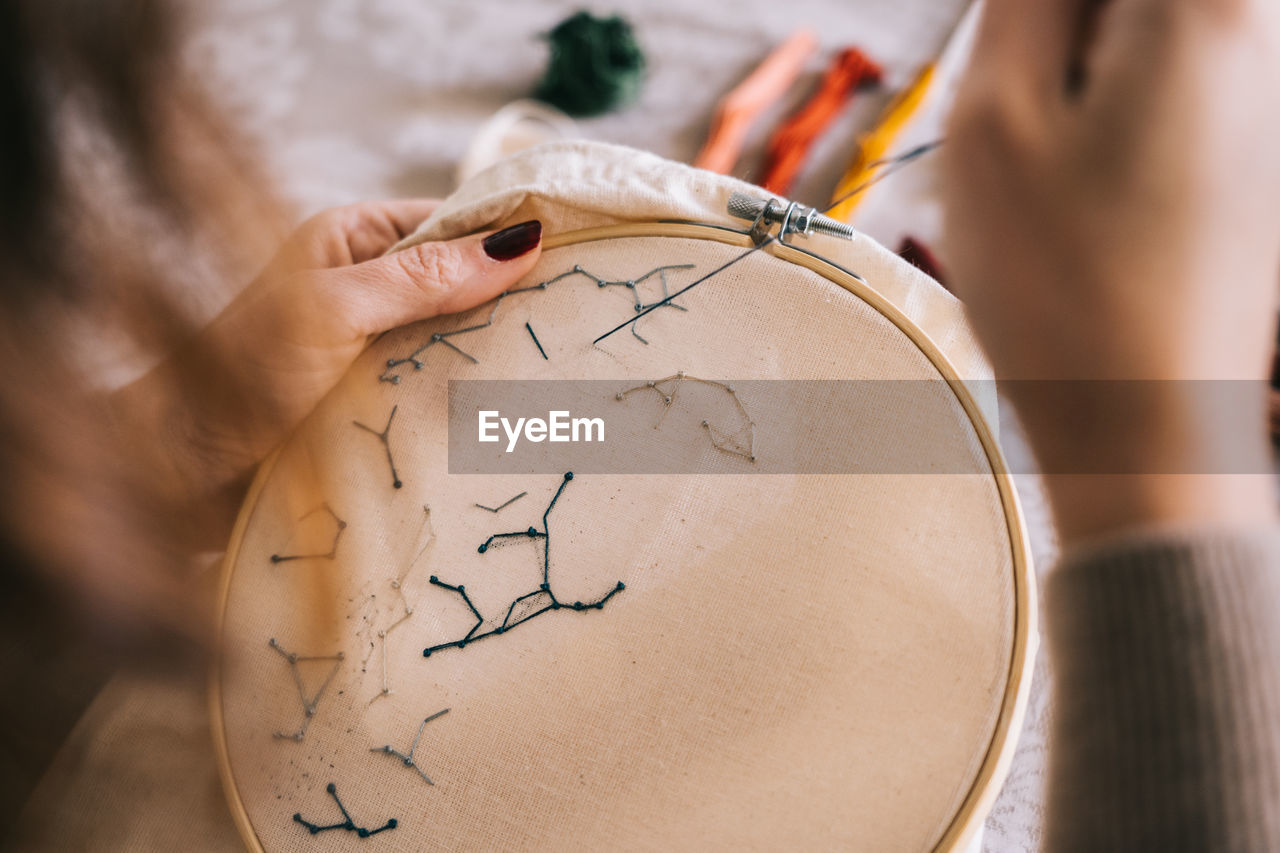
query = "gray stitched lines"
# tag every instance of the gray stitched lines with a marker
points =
(633, 285)
(739, 442)
(397, 584)
(407, 758)
(666, 300)
(339, 527)
(444, 338)
(531, 604)
(309, 705)
(500, 507)
(386, 444)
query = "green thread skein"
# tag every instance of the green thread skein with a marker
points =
(596, 65)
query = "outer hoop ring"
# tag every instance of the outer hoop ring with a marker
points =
(995, 765)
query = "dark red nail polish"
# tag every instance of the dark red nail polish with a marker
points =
(514, 241)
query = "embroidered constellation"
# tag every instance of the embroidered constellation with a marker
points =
(407, 758)
(530, 605)
(406, 609)
(741, 442)
(386, 444)
(632, 284)
(309, 705)
(666, 300)
(339, 527)
(347, 825)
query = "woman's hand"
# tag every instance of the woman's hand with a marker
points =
(1112, 193)
(207, 416)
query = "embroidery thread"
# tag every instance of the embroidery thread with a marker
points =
(309, 705)
(740, 442)
(407, 758)
(532, 604)
(536, 342)
(397, 584)
(386, 444)
(500, 507)
(347, 825)
(632, 284)
(339, 527)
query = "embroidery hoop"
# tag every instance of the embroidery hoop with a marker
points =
(977, 800)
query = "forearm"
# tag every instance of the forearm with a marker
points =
(1166, 651)
(175, 441)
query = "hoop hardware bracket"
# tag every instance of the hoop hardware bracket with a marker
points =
(791, 218)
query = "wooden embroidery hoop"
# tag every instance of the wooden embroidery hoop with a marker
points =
(976, 803)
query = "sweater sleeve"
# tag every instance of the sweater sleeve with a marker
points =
(1166, 724)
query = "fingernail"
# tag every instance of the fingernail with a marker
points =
(514, 241)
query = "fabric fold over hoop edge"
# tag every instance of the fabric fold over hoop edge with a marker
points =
(571, 185)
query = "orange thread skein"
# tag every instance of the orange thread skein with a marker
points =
(790, 144)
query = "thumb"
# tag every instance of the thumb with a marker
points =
(432, 278)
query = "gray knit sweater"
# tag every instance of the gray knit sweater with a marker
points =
(1167, 718)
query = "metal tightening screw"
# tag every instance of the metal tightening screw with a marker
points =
(803, 220)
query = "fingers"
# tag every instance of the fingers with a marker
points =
(1024, 47)
(371, 228)
(431, 278)
(1150, 37)
(1017, 80)
(1160, 56)
(407, 214)
(354, 233)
